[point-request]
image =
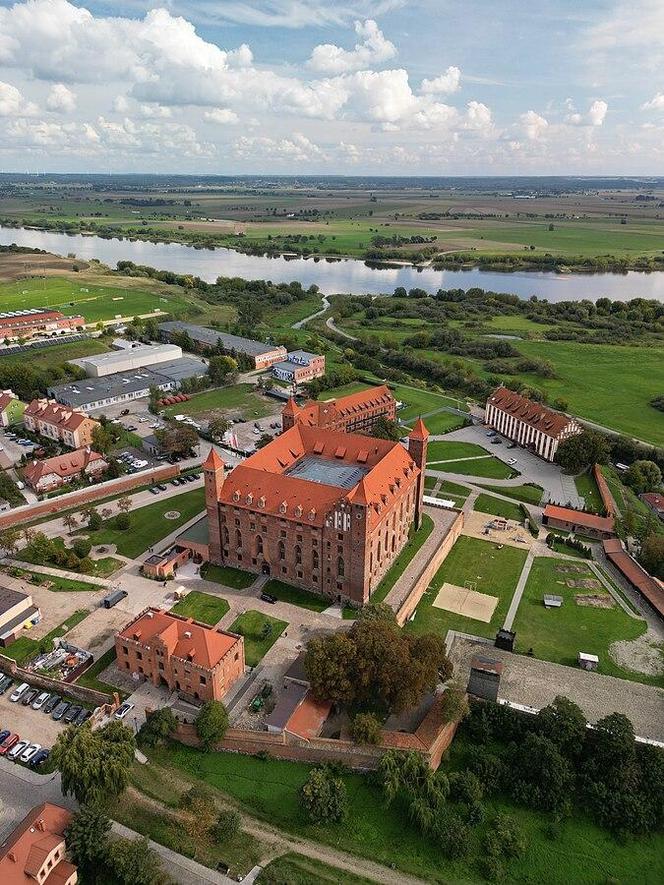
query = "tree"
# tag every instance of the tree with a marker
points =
(96, 520)
(70, 521)
(366, 729)
(157, 728)
(378, 611)
(177, 440)
(217, 426)
(133, 862)
(81, 547)
(94, 765)
(540, 776)
(41, 548)
(86, 838)
(211, 723)
(323, 797)
(154, 398)
(643, 476)
(200, 814)
(563, 723)
(385, 429)
(124, 504)
(9, 539)
(222, 369)
(227, 825)
(329, 666)
(652, 555)
(102, 440)
(579, 452)
(122, 522)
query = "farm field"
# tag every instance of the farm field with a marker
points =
(260, 633)
(239, 398)
(558, 634)
(95, 302)
(491, 570)
(201, 607)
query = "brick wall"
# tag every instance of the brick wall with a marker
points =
(604, 491)
(79, 692)
(430, 568)
(81, 497)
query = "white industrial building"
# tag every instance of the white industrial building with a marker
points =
(138, 357)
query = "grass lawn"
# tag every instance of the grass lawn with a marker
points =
(251, 624)
(201, 607)
(101, 568)
(442, 422)
(497, 507)
(296, 596)
(149, 525)
(559, 634)
(493, 571)
(586, 486)
(268, 789)
(48, 357)
(296, 869)
(239, 398)
(25, 646)
(528, 493)
(402, 561)
(90, 678)
(227, 575)
(57, 584)
(488, 467)
(443, 450)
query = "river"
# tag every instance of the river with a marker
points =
(339, 275)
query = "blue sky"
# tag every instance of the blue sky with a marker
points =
(440, 87)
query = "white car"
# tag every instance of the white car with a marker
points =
(179, 417)
(40, 700)
(18, 692)
(122, 711)
(16, 750)
(30, 751)
(511, 461)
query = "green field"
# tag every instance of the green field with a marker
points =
(296, 596)
(586, 486)
(149, 525)
(402, 561)
(497, 507)
(239, 399)
(251, 625)
(227, 575)
(528, 493)
(492, 571)
(450, 457)
(443, 450)
(67, 585)
(94, 302)
(49, 357)
(558, 634)
(296, 869)
(202, 607)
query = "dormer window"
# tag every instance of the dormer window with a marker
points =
(236, 495)
(261, 501)
(312, 514)
(283, 507)
(298, 511)
(250, 498)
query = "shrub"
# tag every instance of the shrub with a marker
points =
(453, 835)
(211, 723)
(81, 547)
(323, 797)
(95, 522)
(465, 786)
(366, 729)
(227, 825)
(122, 522)
(489, 769)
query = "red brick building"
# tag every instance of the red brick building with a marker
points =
(355, 413)
(326, 511)
(196, 660)
(35, 850)
(36, 321)
(578, 521)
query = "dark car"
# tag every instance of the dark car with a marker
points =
(162, 487)
(51, 703)
(72, 713)
(4, 734)
(124, 412)
(29, 697)
(83, 717)
(154, 490)
(268, 597)
(5, 684)
(60, 710)
(39, 758)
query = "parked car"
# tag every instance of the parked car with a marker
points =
(51, 703)
(60, 711)
(29, 697)
(16, 750)
(162, 487)
(40, 700)
(511, 461)
(511, 446)
(5, 682)
(4, 735)
(124, 412)
(39, 758)
(8, 743)
(18, 692)
(72, 713)
(154, 490)
(268, 597)
(29, 752)
(122, 711)
(496, 441)
(83, 717)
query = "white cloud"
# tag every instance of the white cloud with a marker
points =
(534, 125)
(656, 103)
(289, 13)
(445, 84)
(10, 100)
(373, 49)
(221, 115)
(298, 148)
(121, 104)
(594, 117)
(478, 116)
(154, 111)
(61, 98)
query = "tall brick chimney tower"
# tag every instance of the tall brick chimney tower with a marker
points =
(289, 414)
(213, 471)
(418, 440)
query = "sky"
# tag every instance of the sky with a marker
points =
(384, 87)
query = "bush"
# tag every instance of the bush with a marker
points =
(323, 797)
(227, 825)
(366, 729)
(81, 547)
(95, 522)
(488, 768)
(453, 836)
(465, 786)
(159, 726)
(122, 522)
(211, 723)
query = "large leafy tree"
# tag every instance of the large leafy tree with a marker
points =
(643, 476)
(87, 838)
(159, 726)
(563, 723)
(581, 451)
(385, 429)
(323, 797)
(94, 765)
(211, 723)
(652, 554)
(541, 777)
(133, 862)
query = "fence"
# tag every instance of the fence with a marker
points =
(79, 692)
(80, 497)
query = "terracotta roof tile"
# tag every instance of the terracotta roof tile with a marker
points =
(64, 466)
(320, 413)
(308, 718)
(649, 587)
(578, 517)
(534, 414)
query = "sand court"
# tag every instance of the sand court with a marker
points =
(469, 603)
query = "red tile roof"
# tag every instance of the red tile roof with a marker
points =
(28, 845)
(654, 500)
(64, 466)
(419, 431)
(578, 517)
(534, 414)
(207, 645)
(321, 413)
(308, 718)
(6, 397)
(648, 586)
(213, 461)
(52, 412)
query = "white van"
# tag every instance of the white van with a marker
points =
(18, 692)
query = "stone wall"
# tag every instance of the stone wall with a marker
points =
(79, 692)
(81, 497)
(604, 491)
(429, 569)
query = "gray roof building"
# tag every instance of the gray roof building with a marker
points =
(211, 337)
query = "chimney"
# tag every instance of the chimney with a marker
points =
(187, 634)
(40, 825)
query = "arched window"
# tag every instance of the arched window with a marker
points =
(314, 560)
(225, 536)
(238, 538)
(394, 543)
(282, 550)
(378, 551)
(340, 567)
(259, 545)
(298, 555)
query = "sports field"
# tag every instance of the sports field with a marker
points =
(94, 302)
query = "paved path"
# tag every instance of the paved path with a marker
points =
(329, 322)
(518, 593)
(301, 323)
(102, 583)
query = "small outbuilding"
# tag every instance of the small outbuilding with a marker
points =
(552, 601)
(587, 661)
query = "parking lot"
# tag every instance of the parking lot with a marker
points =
(32, 725)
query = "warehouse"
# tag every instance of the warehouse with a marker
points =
(263, 355)
(16, 612)
(120, 387)
(124, 360)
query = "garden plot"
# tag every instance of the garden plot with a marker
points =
(467, 602)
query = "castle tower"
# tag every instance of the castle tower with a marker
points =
(360, 574)
(418, 440)
(213, 471)
(289, 414)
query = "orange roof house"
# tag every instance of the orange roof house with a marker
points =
(53, 472)
(578, 521)
(69, 426)
(354, 413)
(35, 850)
